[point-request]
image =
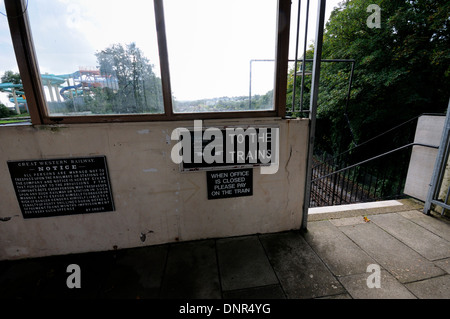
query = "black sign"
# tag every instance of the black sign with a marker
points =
(55, 187)
(229, 183)
(259, 155)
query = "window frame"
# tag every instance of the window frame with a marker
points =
(22, 39)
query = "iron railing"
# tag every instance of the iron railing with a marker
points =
(373, 179)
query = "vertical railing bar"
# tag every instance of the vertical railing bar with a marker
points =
(370, 186)
(353, 183)
(383, 181)
(364, 192)
(345, 184)
(376, 185)
(334, 184)
(304, 56)
(357, 169)
(296, 55)
(346, 187)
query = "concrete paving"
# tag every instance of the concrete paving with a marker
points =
(393, 253)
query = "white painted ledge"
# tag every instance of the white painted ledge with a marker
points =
(342, 208)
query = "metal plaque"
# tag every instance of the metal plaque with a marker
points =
(67, 186)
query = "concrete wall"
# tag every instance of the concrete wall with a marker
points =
(428, 131)
(155, 203)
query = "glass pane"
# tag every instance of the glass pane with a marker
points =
(13, 104)
(221, 54)
(97, 57)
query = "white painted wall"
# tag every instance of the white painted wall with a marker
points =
(153, 199)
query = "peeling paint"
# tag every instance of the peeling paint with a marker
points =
(168, 138)
(143, 235)
(146, 131)
(150, 170)
(52, 128)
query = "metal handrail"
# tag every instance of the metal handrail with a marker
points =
(373, 158)
(384, 133)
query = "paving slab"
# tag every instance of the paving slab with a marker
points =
(418, 238)
(301, 272)
(444, 264)
(436, 224)
(348, 221)
(137, 272)
(191, 272)
(433, 288)
(401, 261)
(265, 292)
(340, 296)
(342, 256)
(243, 263)
(390, 288)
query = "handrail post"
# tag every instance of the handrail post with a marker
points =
(313, 107)
(439, 166)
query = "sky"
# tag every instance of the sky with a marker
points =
(210, 42)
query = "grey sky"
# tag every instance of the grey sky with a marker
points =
(67, 33)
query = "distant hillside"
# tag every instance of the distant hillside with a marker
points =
(226, 103)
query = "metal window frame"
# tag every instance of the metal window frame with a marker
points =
(22, 39)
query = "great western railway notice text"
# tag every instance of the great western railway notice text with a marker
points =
(55, 187)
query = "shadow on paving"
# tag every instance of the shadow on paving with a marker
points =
(330, 260)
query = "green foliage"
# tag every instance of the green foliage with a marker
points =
(11, 77)
(139, 89)
(402, 69)
(227, 104)
(5, 111)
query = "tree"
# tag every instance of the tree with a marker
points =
(5, 111)
(11, 77)
(401, 71)
(139, 89)
(14, 78)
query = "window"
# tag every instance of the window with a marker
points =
(100, 61)
(13, 106)
(97, 57)
(215, 48)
